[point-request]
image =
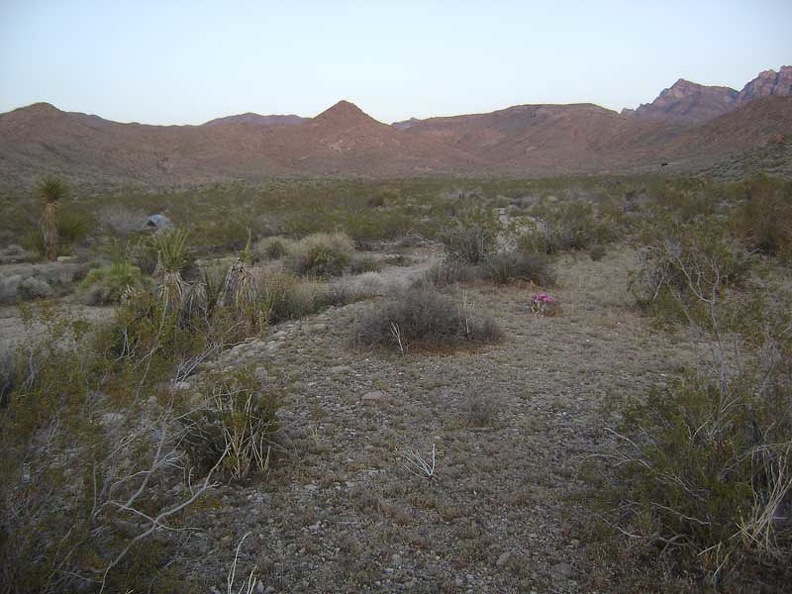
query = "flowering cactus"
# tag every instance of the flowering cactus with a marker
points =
(543, 304)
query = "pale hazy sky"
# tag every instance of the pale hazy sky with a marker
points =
(188, 61)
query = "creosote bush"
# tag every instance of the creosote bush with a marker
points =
(706, 470)
(421, 318)
(686, 271)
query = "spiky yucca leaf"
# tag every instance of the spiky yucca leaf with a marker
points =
(172, 250)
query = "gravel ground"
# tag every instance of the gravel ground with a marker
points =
(343, 508)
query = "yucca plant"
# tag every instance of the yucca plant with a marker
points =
(239, 289)
(172, 250)
(50, 189)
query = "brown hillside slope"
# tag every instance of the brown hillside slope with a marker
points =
(343, 140)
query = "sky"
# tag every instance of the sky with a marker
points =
(189, 61)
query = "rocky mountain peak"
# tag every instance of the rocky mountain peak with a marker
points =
(344, 114)
(768, 83)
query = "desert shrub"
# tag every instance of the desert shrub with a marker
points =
(685, 272)
(104, 286)
(479, 409)
(272, 248)
(121, 219)
(73, 227)
(362, 264)
(321, 255)
(32, 287)
(421, 318)
(89, 471)
(764, 219)
(568, 226)
(471, 237)
(505, 267)
(235, 429)
(450, 272)
(288, 297)
(704, 470)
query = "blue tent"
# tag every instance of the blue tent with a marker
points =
(158, 222)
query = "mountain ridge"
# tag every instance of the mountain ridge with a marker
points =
(527, 140)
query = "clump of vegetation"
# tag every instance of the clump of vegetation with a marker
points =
(506, 267)
(702, 468)
(321, 255)
(421, 318)
(105, 286)
(51, 190)
(706, 470)
(59, 231)
(570, 225)
(472, 237)
(764, 219)
(686, 272)
(272, 248)
(236, 428)
(288, 297)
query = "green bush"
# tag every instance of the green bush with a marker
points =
(363, 264)
(506, 267)
(705, 470)
(420, 318)
(687, 271)
(568, 226)
(104, 286)
(321, 255)
(236, 428)
(272, 248)
(764, 219)
(287, 297)
(471, 238)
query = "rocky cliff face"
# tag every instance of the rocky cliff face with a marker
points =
(687, 102)
(768, 83)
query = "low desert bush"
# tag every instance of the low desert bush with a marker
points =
(568, 226)
(272, 248)
(236, 428)
(505, 267)
(421, 318)
(91, 473)
(363, 264)
(764, 218)
(682, 274)
(73, 227)
(472, 237)
(705, 470)
(105, 286)
(320, 255)
(288, 297)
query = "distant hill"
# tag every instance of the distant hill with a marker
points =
(260, 120)
(685, 129)
(690, 102)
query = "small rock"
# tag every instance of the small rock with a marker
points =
(341, 369)
(373, 397)
(182, 385)
(561, 571)
(503, 559)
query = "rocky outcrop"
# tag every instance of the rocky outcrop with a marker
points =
(768, 84)
(687, 102)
